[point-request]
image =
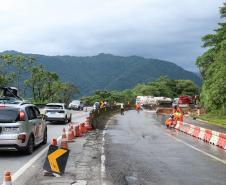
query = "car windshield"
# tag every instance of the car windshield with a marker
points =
(8, 115)
(76, 102)
(54, 107)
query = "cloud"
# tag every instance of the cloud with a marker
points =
(169, 29)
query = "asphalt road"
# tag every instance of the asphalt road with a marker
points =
(139, 150)
(14, 161)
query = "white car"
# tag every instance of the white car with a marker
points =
(57, 112)
(76, 105)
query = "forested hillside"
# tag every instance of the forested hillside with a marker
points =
(109, 72)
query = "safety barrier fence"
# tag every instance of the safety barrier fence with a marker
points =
(207, 135)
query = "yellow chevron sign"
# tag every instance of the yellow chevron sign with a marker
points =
(56, 160)
(52, 159)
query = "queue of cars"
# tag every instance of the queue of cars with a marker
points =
(22, 126)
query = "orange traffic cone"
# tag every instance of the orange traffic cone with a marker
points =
(69, 136)
(84, 128)
(72, 131)
(81, 129)
(64, 144)
(7, 178)
(87, 124)
(54, 142)
(77, 132)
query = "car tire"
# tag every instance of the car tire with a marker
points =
(65, 120)
(69, 120)
(30, 145)
(44, 137)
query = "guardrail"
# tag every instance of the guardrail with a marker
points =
(98, 115)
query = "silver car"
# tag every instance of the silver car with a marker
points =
(21, 127)
(57, 112)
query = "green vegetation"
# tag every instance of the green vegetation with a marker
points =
(27, 76)
(109, 72)
(214, 118)
(160, 87)
(212, 65)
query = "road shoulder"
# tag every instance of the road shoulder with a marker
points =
(83, 166)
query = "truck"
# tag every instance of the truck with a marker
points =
(183, 101)
(154, 102)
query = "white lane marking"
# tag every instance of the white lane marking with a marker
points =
(19, 172)
(199, 150)
(103, 158)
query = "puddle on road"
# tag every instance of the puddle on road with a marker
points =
(131, 180)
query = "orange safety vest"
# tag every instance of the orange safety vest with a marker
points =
(169, 122)
(137, 106)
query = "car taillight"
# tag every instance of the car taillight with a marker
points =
(21, 116)
(22, 137)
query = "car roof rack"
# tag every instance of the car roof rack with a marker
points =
(10, 92)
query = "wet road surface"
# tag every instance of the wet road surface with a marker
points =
(139, 150)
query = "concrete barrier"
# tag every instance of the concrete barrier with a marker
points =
(207, 135)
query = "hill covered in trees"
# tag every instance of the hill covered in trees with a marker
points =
(109, 72)
(212, 65)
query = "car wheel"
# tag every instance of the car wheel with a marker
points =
(65, 120)
(69, 120)
(30, 145)
(44, 137)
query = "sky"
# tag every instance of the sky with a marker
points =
(162, 29)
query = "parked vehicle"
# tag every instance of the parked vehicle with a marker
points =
(96, 105)
(76, 105)
(183, 101)
(22, 127)
(57, 112)
(151, 101)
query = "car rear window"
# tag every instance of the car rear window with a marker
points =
(8, 115)
(76, 102)
(54, 107)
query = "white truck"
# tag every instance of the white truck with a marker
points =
(154, 102)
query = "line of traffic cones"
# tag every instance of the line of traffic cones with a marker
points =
(75, 131)
(64, 144)
(7, 180)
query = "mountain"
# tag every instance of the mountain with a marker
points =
(109, 72)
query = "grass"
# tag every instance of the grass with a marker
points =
(214, 118)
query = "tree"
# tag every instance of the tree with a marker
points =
(212, 65)
(67, 91)
(16, 67)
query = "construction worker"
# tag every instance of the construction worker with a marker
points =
(138, 106)
(170, 121)
(122, 108)
(128, 103)
(181, 114)
(178, 115)
(174, 109)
